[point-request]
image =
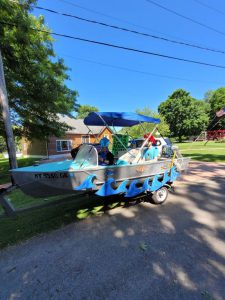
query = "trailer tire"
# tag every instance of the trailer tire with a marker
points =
(160, 196)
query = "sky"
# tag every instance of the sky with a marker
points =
(119, 80)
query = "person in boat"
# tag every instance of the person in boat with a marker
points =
(133, 144)
(105, 157)
(151, 153)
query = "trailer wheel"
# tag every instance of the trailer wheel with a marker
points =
(160, 196)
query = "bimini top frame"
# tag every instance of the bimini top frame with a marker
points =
(119, 119)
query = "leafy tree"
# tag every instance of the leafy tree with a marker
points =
(184, 114)
(3, 147)
(217, 101)
(208, 96)
(137, 131)
(35, 78)
(84, 110)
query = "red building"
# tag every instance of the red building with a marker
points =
(215, 134)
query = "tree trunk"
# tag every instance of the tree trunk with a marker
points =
(6, 119)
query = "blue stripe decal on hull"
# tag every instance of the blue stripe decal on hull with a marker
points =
(107, 189)
(87, 183)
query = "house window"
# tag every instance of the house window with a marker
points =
(85, 139)
(64, 145)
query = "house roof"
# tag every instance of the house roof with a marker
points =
(78, 126)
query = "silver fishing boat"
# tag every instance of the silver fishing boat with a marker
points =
(130, 175)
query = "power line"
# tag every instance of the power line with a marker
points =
(210, 7)
(138, 71)
(120, 47)
(128, 30)
(121, 20)
(185, 17)
(94, 11)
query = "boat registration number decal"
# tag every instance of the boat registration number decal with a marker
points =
(50, 175)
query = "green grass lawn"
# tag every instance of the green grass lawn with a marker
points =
(39, 220)
(4, 167)
(20, 200)
(211, 152)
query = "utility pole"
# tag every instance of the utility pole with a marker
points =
(6, 119)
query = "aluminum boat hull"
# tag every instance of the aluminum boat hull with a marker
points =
(50, 183)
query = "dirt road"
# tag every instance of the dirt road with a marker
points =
(173, 251)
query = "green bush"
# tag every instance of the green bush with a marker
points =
(3, 147)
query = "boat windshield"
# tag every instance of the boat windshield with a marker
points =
(87, 156)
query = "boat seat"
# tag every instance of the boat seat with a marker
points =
(129, 157)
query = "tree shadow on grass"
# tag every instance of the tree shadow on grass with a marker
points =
(57, 213)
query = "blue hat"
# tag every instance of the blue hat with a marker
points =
(104, 142)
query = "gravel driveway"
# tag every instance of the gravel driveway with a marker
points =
(173, 251)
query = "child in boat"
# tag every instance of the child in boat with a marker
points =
(151, 153)
(105, 157)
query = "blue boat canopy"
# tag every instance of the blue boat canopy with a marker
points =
(120, 119)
